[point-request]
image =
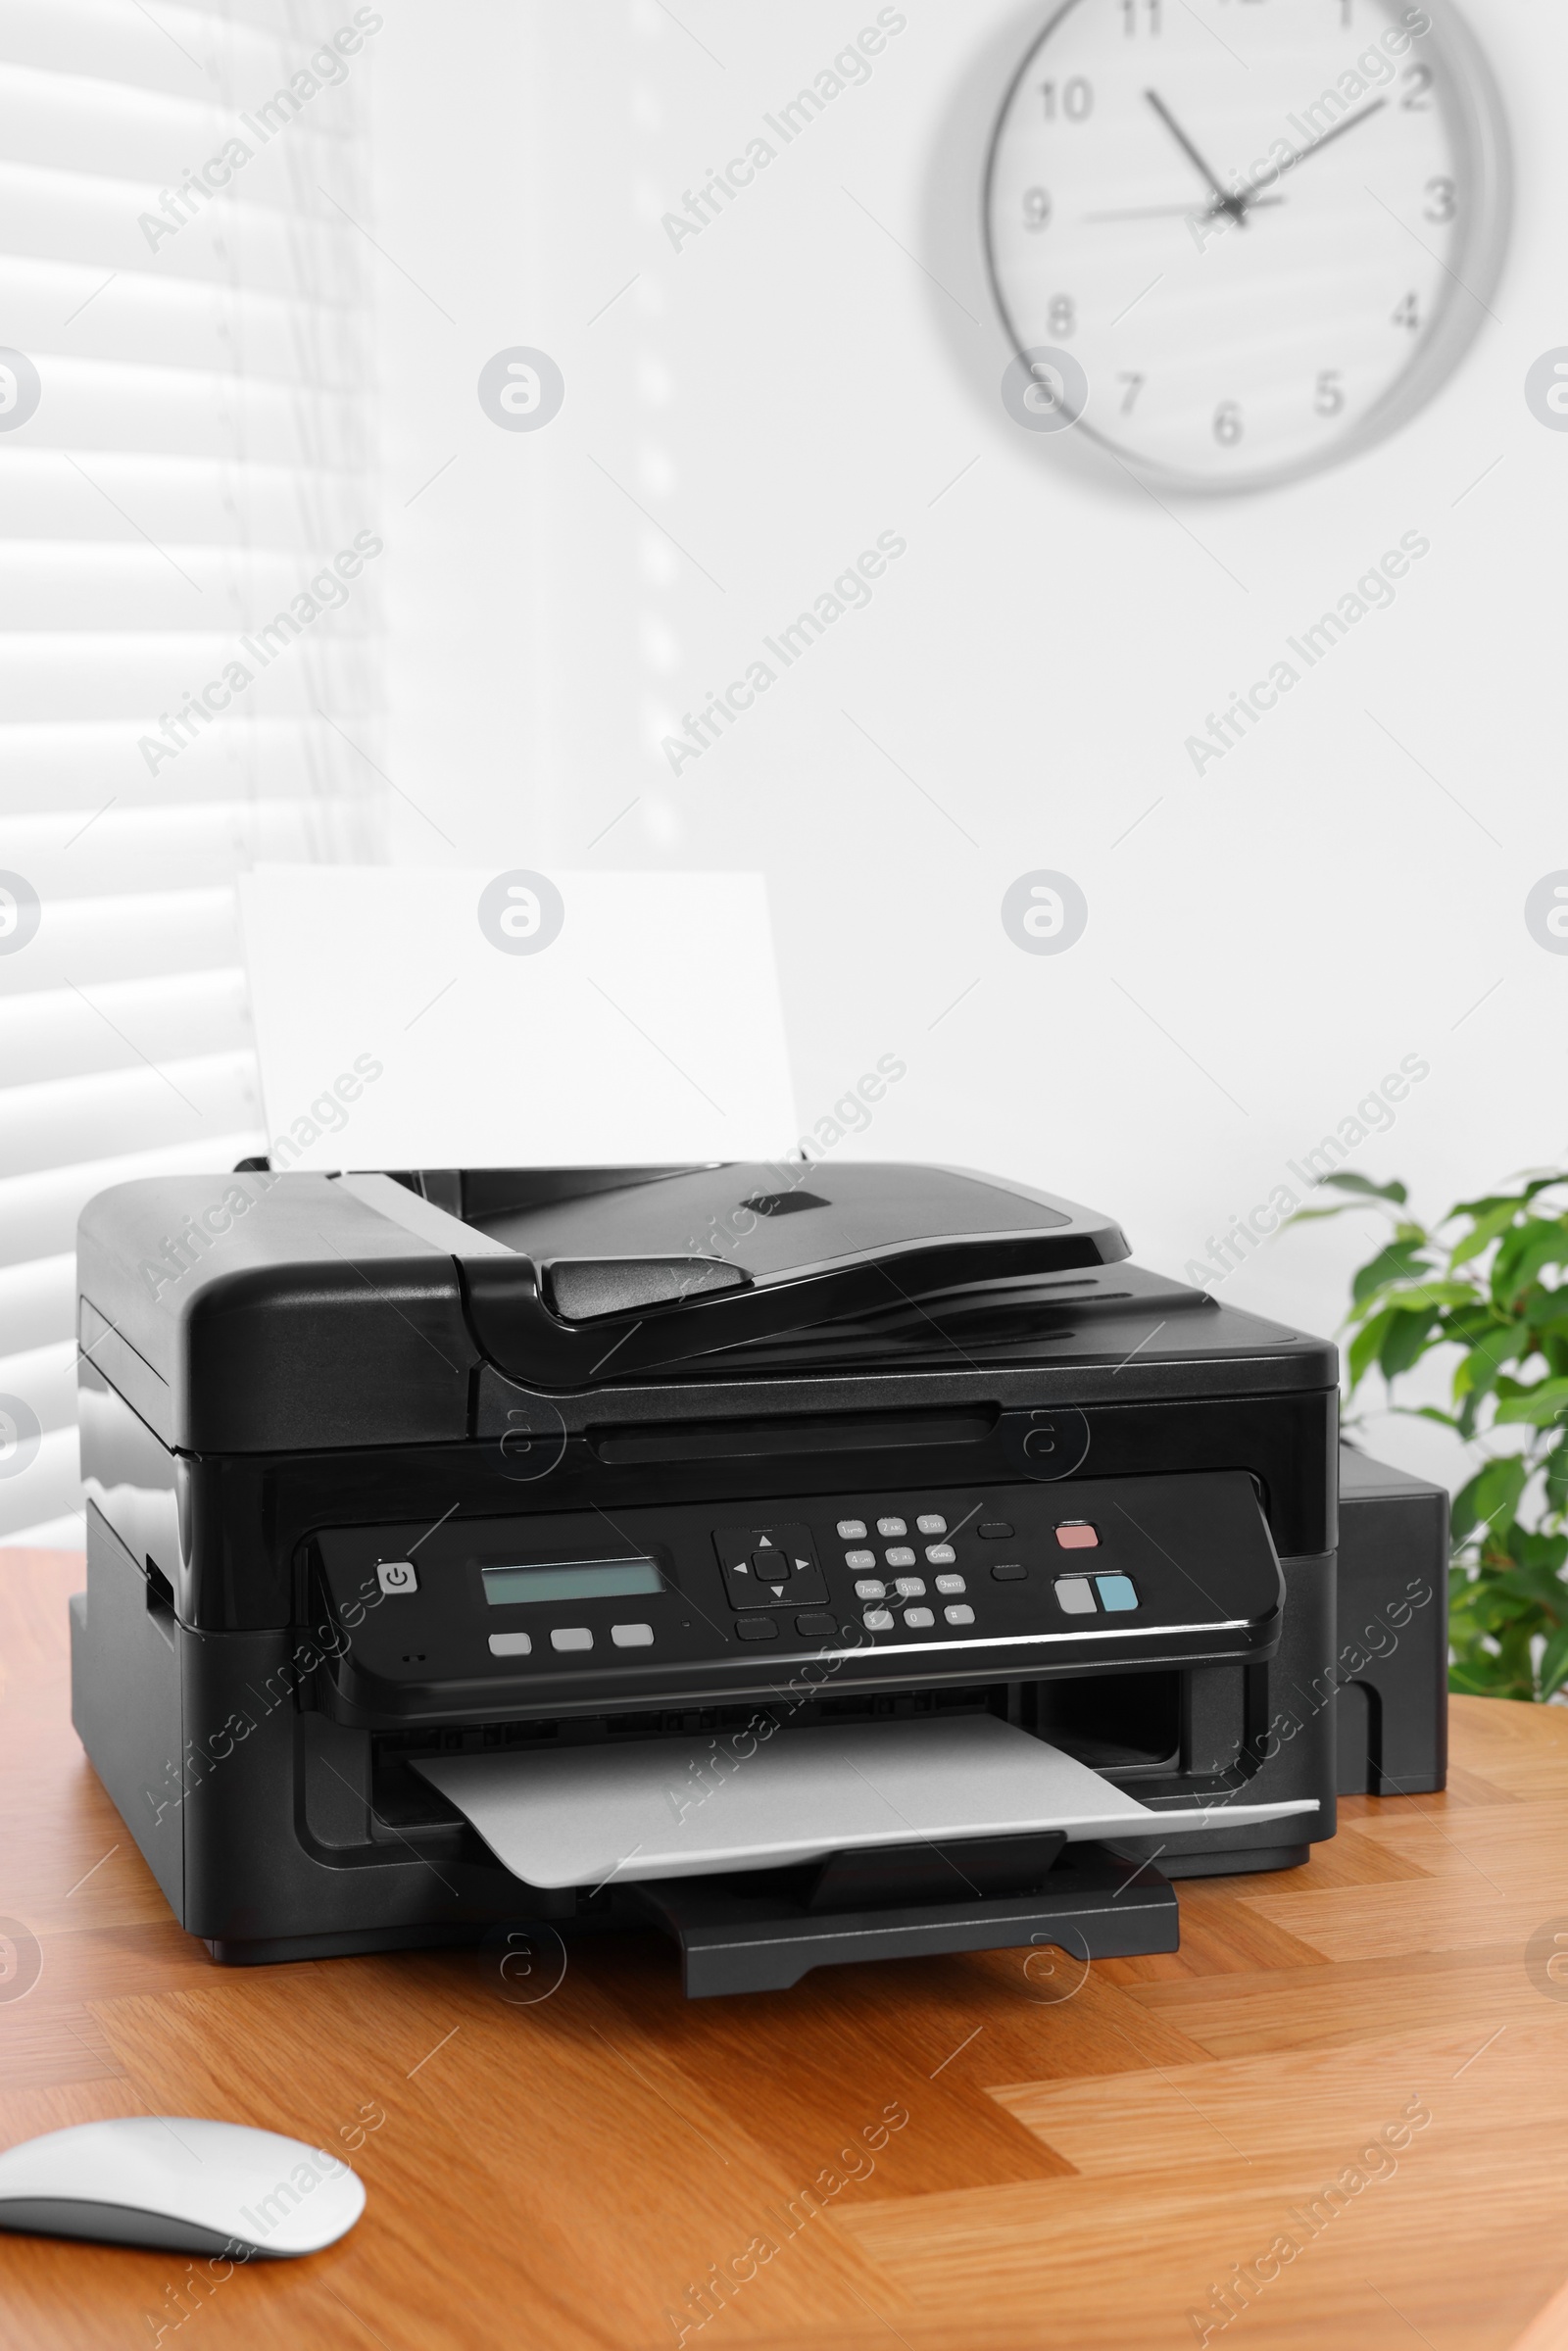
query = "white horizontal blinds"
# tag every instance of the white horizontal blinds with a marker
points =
(182, 260)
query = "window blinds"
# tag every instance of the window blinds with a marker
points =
(184, 448)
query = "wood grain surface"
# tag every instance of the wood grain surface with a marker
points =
(1339, 2112)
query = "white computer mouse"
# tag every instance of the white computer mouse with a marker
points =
(190, 2187)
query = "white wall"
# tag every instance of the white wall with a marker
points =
(794, 382)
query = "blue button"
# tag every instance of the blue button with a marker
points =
(1116, 1592)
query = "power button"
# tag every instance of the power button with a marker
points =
(397, 1574)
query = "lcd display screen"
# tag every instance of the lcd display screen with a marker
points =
(578, 1580)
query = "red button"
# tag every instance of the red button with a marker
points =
(1078, 1536)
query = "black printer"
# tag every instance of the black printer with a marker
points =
(394, 1478)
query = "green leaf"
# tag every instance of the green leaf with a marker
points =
(1493, 1492)
(1521, 1199)
(1349, 1181)
(1478, 1371)
(1479, 1207)
(1366, 1345)
(1463, 1515)
(1556, 1469)
(1449, 1302)
(1406, 1339)
(1535, 1591)
(1445, 1297)
(1400, 1261)
(1469, 1412)
(1484, 1232)
(1527, 1252)
(1552, 1670)
(1469, 1325)
(1542, 1555)
(1484, 1677)
(1499, 1299)
(1539, 1407)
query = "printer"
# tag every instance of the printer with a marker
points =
(816, 1565)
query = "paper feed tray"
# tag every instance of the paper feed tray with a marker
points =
(656, 1809)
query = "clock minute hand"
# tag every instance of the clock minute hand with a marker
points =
(1226, 200)
(1249, 193)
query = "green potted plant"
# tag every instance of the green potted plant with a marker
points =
(1486, 1282)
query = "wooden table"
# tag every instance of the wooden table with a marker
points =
(957, 2152)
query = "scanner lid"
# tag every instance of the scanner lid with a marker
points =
(266, 1311)
(563, 1270)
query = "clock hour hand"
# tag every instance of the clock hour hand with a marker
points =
(1226, 200)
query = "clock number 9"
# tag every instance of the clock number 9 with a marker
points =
(1035, 207)
(1077, 99)
(1228, 423)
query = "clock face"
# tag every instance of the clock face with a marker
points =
(1243, 238)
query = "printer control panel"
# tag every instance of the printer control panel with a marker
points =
(623, 1605)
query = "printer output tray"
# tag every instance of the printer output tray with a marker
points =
(764, 1932)
(827, 1845)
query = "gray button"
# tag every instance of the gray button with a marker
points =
(891, 1526)
(958, 1616)
(1074, 1595)
(951, 1584)
(901, 1555)
(918, 1619)
(941, 1554)
(870, 1587)
(632, 1636)
(910, 1588)
(571, 1637)
(931, 1524)
(397, 1576)
(860, 1558)
(511, 1644)
(878, 1620)
(852, 1530)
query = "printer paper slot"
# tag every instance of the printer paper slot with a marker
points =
(697, 1807)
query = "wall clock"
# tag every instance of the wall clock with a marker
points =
(1262, 233)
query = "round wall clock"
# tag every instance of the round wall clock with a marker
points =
(1262, 233)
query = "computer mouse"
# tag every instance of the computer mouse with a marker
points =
(189, 2187)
